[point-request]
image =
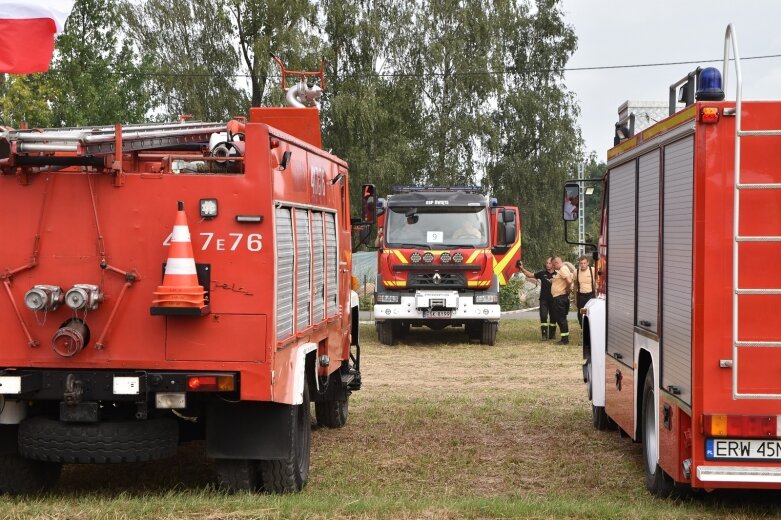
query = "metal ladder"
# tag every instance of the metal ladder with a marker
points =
(731, 43)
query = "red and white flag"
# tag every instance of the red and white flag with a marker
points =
(27, 29)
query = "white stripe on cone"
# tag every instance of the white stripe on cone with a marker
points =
(180, 266)
(180, 234)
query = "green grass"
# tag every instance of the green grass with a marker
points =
(442, 429)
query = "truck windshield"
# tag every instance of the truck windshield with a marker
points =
(439, 227)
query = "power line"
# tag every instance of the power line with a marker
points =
(507, 71)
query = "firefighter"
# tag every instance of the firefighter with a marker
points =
(547, 327)
(560, 287)
(585, 288)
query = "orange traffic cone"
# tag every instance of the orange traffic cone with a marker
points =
(180, 294)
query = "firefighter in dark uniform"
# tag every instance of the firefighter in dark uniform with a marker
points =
(547, 326)
(560, 286)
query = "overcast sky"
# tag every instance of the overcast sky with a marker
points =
(654, 31)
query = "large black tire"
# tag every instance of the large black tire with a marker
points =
(290, 475)
(474, 329)
(489, 333)
(332, 414)
(103, 442)
(234, 475)
(599, 417)
(20, 476)
(385, 333)
(656, 480)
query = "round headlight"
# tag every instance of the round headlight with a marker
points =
(428, 257)
(445, 258)
(415, 258)
(458, 258)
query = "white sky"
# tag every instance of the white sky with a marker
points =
(653, 31)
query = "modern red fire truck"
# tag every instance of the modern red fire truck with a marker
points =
(445, 252)
(681, 350)
(169, 282)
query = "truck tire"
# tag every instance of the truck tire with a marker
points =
(474, 330)
(656, 480)
(599, 417)
(489, 333)
(20, 476)
(385, 333)
(235, 475)
(103, 442)
(290, 475)
(332, 414)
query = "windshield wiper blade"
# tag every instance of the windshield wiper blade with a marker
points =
(457, 246)
(410, 246)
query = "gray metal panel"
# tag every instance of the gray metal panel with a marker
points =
(303, 270)
(318, 265)
(676, 336)
(621, 261)
(332, 262)
(285, 264)
(648, 241)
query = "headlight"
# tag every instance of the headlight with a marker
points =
(458, 258)
(428, 257)
(487, 298)
(445, 258)
(415, 258)
(388, 298)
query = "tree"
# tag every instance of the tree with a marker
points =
(192, 61)
(98, 77)
(26, 98)
(536, 144)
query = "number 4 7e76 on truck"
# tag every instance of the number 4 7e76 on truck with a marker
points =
(122, 338)
(681, 347)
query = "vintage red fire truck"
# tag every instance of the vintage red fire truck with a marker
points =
(445, 252)
(168, 282)
(680, 348)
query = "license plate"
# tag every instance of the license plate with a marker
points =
(10, 385)
(437, 314)
(743, 449)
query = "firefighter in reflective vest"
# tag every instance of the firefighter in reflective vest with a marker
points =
(560, 287)
(547, 328)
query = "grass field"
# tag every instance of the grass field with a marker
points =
(441, 429)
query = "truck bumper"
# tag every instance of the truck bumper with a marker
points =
(427, 305)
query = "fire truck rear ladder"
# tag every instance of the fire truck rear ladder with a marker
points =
(730, 42)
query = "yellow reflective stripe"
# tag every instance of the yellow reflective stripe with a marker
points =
(506, 259)
(473, 256)
(400, 256)
(473, 283)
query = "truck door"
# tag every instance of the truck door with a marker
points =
(506, 241)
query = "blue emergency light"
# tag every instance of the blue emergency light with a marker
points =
(709, 85)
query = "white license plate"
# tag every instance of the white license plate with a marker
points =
(10, 385)
(437, 314)
(743, 449)
(126, 385)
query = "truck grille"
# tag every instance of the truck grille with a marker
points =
(429, 280)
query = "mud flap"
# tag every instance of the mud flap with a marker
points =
(250, 430)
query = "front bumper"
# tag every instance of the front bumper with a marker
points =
(418, 306)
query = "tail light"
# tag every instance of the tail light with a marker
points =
(211, 383)
(756, 426)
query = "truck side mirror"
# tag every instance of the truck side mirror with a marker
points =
(570, 203)
(510, 231)
(369, 212)
(508, 215)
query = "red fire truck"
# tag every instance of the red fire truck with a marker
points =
(680, 348)
(169, 282)
(444, 254)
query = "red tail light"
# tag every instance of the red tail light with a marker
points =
(219, 383)
(757, 426)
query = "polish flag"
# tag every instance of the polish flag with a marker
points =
(27, 29)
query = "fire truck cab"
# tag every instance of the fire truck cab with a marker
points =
(445, 253)
(681, 351)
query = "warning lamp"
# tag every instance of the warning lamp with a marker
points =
(445, 258)
(43, 298)
(208, 208)
(709, 115)
(415, 258)
(755, 426)
(458, 258)
(709, 85)
(211, 383)
(428, 258)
